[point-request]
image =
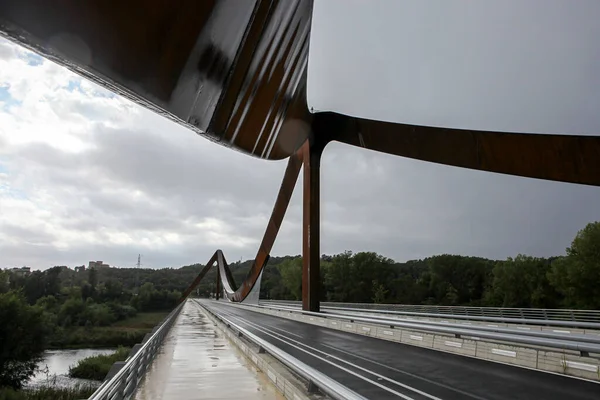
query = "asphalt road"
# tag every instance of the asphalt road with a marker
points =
(378, 369)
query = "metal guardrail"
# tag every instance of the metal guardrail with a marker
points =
(405, 315)
(123, 383)
(533, 338)
(497, 312)
(387, 318)
(325, 384)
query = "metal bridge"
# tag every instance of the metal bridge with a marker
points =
(237, 73)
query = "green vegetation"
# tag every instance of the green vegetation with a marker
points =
(46, 393)
(82, 338)
(61, 308)
(96, 367)
(142, 320)
(22, 339)
(570, 281)
(126, 332)
(89, 309)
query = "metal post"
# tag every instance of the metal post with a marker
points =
(311, 256)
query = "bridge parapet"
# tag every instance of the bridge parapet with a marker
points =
(124, 377)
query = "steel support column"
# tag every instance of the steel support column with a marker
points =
(311, 255)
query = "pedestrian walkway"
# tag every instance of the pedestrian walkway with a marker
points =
(197, 362)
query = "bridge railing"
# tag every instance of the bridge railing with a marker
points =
(123, 379)
(499, 312)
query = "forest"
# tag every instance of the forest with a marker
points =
(59, 307)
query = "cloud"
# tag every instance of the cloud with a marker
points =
(85, 175)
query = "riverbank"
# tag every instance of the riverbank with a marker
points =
(122, 333)
(97, 367)
(53, 369)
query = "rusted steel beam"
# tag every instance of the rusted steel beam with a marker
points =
(232, 292)
(564, 158)
(311, 256)
(198, 279)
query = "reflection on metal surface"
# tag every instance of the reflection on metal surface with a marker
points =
(254, 295)
(197, 362)
(565, 158)
(232, 70)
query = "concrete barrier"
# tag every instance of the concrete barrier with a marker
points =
(455, 345)
(419, 339)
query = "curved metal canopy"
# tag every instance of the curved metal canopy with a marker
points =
(236, 73)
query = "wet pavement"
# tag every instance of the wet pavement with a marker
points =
(197, 362)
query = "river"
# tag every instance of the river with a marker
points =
(54, 368)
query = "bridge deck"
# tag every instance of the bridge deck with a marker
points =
(197, 362)
(380, 369)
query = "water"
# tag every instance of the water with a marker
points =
(197, 362)
(54, 368)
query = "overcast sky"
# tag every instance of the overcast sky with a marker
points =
(86, 175)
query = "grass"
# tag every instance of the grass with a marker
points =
(79, 338)
(122, 333)
(47, 393)
(142, 320)
(96, 367)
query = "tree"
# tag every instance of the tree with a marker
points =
(22, 341)
(71, 312)
(577, 275)
(455, 280)
(379, 292)
(93, 279)
(291, 276)
(4, 281)
(522, 282)
(33, 288)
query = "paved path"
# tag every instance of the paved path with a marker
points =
(197, 362)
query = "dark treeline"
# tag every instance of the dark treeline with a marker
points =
(569, 281)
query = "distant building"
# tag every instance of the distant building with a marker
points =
(80, 268)
(97, 264)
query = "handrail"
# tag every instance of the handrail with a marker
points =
(325, 384)
(466, 311)
(123, 384)
(543, 339)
